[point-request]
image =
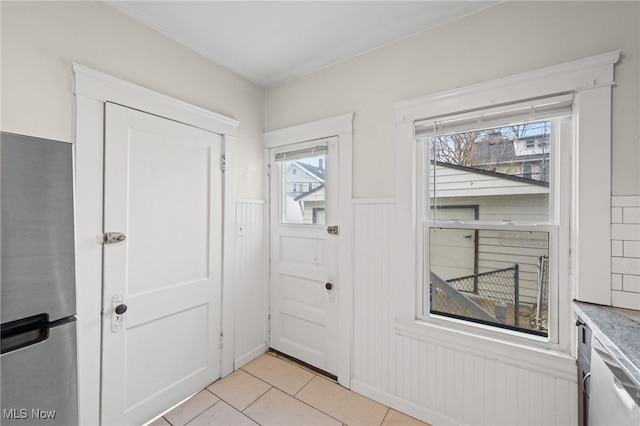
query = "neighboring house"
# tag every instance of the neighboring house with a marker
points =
(305, 191)
(525, 156)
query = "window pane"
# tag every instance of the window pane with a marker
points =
(492, 277)
(304, 191)
(505, 171)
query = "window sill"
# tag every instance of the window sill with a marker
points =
(532, 353)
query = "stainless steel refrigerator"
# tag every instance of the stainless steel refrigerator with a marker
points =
(38, 299)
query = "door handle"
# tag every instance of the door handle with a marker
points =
(118, 310)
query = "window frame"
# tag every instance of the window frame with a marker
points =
(586, 270)
(556, 224)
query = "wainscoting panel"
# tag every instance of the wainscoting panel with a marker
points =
(435, 374)
(373, 326)
(250, 294)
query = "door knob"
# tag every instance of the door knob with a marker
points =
(328, 286)
(117, 314)
(121, 309)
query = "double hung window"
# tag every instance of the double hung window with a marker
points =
(490, 209)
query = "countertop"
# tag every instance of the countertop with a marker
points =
(619, 332)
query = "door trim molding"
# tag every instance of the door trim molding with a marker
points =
(92, 89)
(342, 127)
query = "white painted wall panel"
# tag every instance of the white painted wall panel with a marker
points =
(250, 302)
(476, 390)
(373, 332)
(438, 378)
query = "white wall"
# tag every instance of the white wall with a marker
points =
(439, 376)
(507, 39)
(40, 40)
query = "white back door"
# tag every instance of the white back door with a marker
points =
(163, 191)
(304, 256)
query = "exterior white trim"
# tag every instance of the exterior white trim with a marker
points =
(342, 127)
(92, 90)
(590, 81)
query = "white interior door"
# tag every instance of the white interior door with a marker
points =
(304, 278)
(163, 190)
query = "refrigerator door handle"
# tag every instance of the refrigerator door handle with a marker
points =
(24, 332)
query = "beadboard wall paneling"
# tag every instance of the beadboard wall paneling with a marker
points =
(250, 302)
(373, 323)
(439, 377)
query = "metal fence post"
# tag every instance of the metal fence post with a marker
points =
(516, 281)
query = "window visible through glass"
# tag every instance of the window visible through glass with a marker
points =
(303, 200)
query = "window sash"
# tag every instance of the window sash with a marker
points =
(561, 134)
(297, 154)
(502, 116)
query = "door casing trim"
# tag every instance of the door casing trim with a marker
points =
(342, 127)
(92, 89)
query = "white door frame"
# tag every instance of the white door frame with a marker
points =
(92, 90)
(342, 127)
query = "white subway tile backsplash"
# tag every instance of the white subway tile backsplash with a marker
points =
(616, 282)
(616, 215)
(631, 283)
(625, 265)
(631, 248)
(631, 214)
(626, 201)
(625, 299)
(625, 231)
(617, 248)
(625, 252)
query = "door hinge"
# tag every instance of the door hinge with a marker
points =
(221, 340)
(223, 163)
(269, 172)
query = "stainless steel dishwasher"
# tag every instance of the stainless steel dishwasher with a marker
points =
(614, 397)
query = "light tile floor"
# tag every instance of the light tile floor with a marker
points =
(272, 390)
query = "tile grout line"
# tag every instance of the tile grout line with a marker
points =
(199, 414)
(314, 375)
(316, 408)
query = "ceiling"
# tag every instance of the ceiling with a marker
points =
(270, 42)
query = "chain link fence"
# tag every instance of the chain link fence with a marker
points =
(495, 292)
(494, 297)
